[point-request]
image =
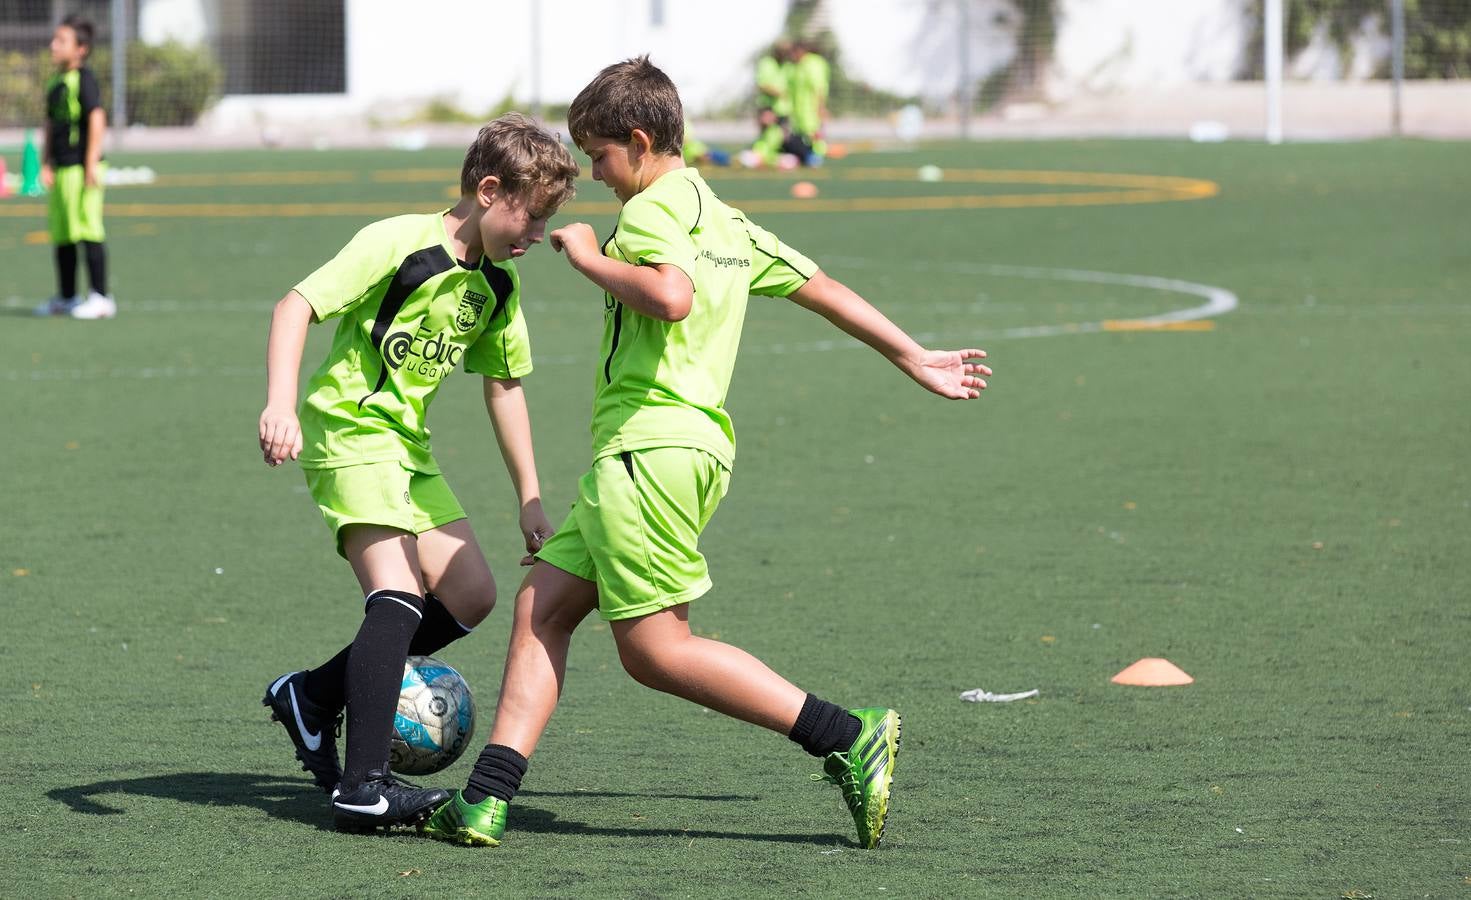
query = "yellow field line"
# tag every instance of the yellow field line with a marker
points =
(1142, 325)
(1132, 189)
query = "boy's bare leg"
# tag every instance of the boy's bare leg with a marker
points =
(659, 651)
(383, 558)
(549, 607)
(455, 571)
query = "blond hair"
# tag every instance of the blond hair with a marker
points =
(530, 162)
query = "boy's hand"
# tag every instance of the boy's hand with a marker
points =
(535, 528)
(949, 373)
(48, 175)
(280, 435)
(577, 240)
(89, 174)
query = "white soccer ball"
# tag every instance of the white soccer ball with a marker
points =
(435, 719)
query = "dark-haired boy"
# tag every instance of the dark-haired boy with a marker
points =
(675, 276)
(73, 169)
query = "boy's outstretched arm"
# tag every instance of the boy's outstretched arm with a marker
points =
(506, 404)
(280, 431)
(949, 373)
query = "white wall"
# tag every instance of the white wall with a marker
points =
(909, 47)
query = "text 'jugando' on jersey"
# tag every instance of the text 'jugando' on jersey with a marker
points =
(411, 313)
(663, 384)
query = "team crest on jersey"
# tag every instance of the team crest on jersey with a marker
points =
(469, 312)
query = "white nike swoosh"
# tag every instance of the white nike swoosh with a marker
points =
(280, 681)
(377, 809)
(312, 741)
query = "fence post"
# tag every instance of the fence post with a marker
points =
(119, 64)
(963, 46)
(1397, 36)
(1272, 54)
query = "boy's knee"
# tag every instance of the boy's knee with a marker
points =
(645, 664)
(470, 605)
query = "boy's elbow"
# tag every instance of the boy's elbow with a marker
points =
(674, 304)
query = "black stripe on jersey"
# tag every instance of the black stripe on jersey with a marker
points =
(613, 347)
(415, 269)
(612, 241)
(500, 283)
(701, 206)
(755, 246)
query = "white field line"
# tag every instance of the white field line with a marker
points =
(1218, 302)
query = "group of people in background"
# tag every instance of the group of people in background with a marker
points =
(791, 105)
(792, 81)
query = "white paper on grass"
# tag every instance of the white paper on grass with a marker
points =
(980, 696)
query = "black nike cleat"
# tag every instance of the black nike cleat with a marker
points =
(313, 729)
(384, 801)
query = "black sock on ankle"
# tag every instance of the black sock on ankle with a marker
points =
(326, 685)
(66, 271)
(498, 773)
(824, 727)
(96, 265)
(374, 674)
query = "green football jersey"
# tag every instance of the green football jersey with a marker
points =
(776, 75)
(70, 98)
(810, 77)
(663, 384)
(411, 312)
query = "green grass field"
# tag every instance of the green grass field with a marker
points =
(1280, 504)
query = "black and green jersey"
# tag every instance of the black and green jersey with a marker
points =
(411, 312)
(70, 98)
(663, 384)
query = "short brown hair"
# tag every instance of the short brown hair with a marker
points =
(530, 161)
(631, 94)
(81, 26)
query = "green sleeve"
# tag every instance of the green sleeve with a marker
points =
(768, 74)
(657, 231)
(776, 269)
(504, 349)
(346, 280)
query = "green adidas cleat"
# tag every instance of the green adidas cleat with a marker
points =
(866, 771)
(475, 824)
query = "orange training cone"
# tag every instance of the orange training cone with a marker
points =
(1152, 672)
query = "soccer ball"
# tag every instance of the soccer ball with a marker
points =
(435, 718)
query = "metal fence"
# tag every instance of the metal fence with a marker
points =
(978, 68)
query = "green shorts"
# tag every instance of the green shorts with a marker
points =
(382, 493)
(635, 529)
(75, 210)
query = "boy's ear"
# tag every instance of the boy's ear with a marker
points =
(640, 142)
(488, 190)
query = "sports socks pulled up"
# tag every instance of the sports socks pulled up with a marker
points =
(374, 675)
(326, 685)
(824, 727)
(497, 773)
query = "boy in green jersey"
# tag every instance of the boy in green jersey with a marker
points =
(675, 277)
(73, 169)
(417, 295)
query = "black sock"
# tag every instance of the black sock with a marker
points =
(66, 270)
(824, 727)
(326, 685)
(374, 673)
(438, 630)
(96, 265)
(498, 773)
